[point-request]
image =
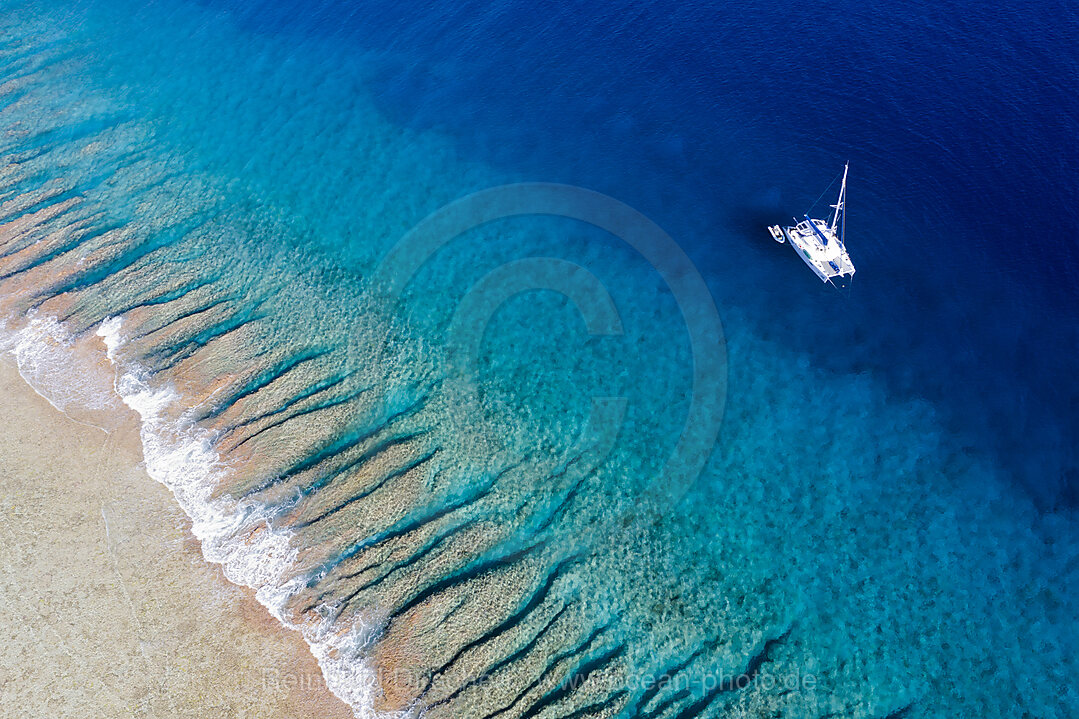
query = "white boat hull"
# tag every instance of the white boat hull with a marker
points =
(820, 243)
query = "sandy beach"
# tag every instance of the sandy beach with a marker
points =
(109, 609)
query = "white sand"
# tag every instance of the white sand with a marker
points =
(107, 608)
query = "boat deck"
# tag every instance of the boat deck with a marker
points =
(828, 260)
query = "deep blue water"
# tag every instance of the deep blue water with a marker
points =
(961, 124)
(889, 506)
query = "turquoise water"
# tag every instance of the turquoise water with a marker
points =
(466, 474)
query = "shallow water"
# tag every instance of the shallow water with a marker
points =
(454, 451)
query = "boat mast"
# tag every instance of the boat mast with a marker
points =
(841, 202)
(843, 227)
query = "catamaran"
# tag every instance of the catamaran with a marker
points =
(820, 243)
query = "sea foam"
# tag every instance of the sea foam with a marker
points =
(179, 454)
(238, 535)
(44, 353)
